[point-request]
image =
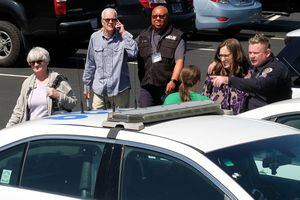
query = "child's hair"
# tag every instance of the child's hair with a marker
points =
(189, 76)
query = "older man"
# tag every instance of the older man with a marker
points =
(106, 69)
(270, 80)
(160, 59)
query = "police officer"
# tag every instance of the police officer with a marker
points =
(160, 59)
(269, 80)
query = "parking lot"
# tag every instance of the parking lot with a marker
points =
(200, 51)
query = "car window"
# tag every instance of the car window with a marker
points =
(151, 175)
(272, 162)
(62, 166)
(10, 164)
(291, 120)
(266, 169)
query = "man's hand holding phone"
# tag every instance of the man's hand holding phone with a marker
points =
(120, 27)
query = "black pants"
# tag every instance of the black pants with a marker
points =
(151, 95)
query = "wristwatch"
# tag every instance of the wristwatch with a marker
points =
(175, 81)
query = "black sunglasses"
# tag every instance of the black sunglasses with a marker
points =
(36, 61)
(159, 16)
(107, 20)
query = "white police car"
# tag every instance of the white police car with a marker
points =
(285, 112)
(148, 154)
(291, 59)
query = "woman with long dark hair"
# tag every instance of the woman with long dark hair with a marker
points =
(229, 60)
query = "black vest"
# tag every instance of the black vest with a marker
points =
(159, 73)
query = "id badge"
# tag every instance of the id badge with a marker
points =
(156, 57)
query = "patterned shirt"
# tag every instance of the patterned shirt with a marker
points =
(229, 98)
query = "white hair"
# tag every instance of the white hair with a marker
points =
(107, 10)
(38, 53)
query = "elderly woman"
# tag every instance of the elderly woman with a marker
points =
(42, 93)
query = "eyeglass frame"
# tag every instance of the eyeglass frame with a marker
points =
(113, 20)
(160, 16)
(226, 56)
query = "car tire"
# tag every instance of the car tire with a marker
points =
(230, 31)
(10, 44)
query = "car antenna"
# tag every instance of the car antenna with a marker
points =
(113, 104)
(80, 85)
(134, 91)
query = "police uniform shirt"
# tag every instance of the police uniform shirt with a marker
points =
(269, 83)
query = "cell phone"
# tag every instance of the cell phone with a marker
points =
(117, 28)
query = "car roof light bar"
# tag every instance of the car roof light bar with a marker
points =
(136, 118)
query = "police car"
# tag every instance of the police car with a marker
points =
(181, 151)
(291, 59)
(285, 112)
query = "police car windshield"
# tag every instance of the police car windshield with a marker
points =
(267, 169)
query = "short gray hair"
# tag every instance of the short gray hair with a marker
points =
(38, 53)
(106, 10)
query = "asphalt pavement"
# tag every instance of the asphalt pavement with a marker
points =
(200, 51)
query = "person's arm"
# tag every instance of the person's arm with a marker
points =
(89, 70)
(260, 85)
(64, 94)
(207, 88)
(211, 67)
(175, 75)
(131, 47)
(179, 62)
(19, 109)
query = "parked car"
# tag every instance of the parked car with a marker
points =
(226, 15)
(182, 151)
(285, 112)
(289, 6)
(59, 25)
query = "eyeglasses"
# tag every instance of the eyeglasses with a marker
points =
(107, 20)
(159, 16)
(37, 62)
(223, 56)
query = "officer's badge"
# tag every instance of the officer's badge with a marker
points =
(171, 37)
(266, 71)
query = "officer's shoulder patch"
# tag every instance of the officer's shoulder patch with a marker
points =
(171, 37)
(266, 71)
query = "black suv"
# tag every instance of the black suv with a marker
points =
(59, 25)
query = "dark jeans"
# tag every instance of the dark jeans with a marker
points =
(151, 95)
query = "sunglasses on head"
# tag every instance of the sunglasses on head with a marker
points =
(36, 61)
(107, 20)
